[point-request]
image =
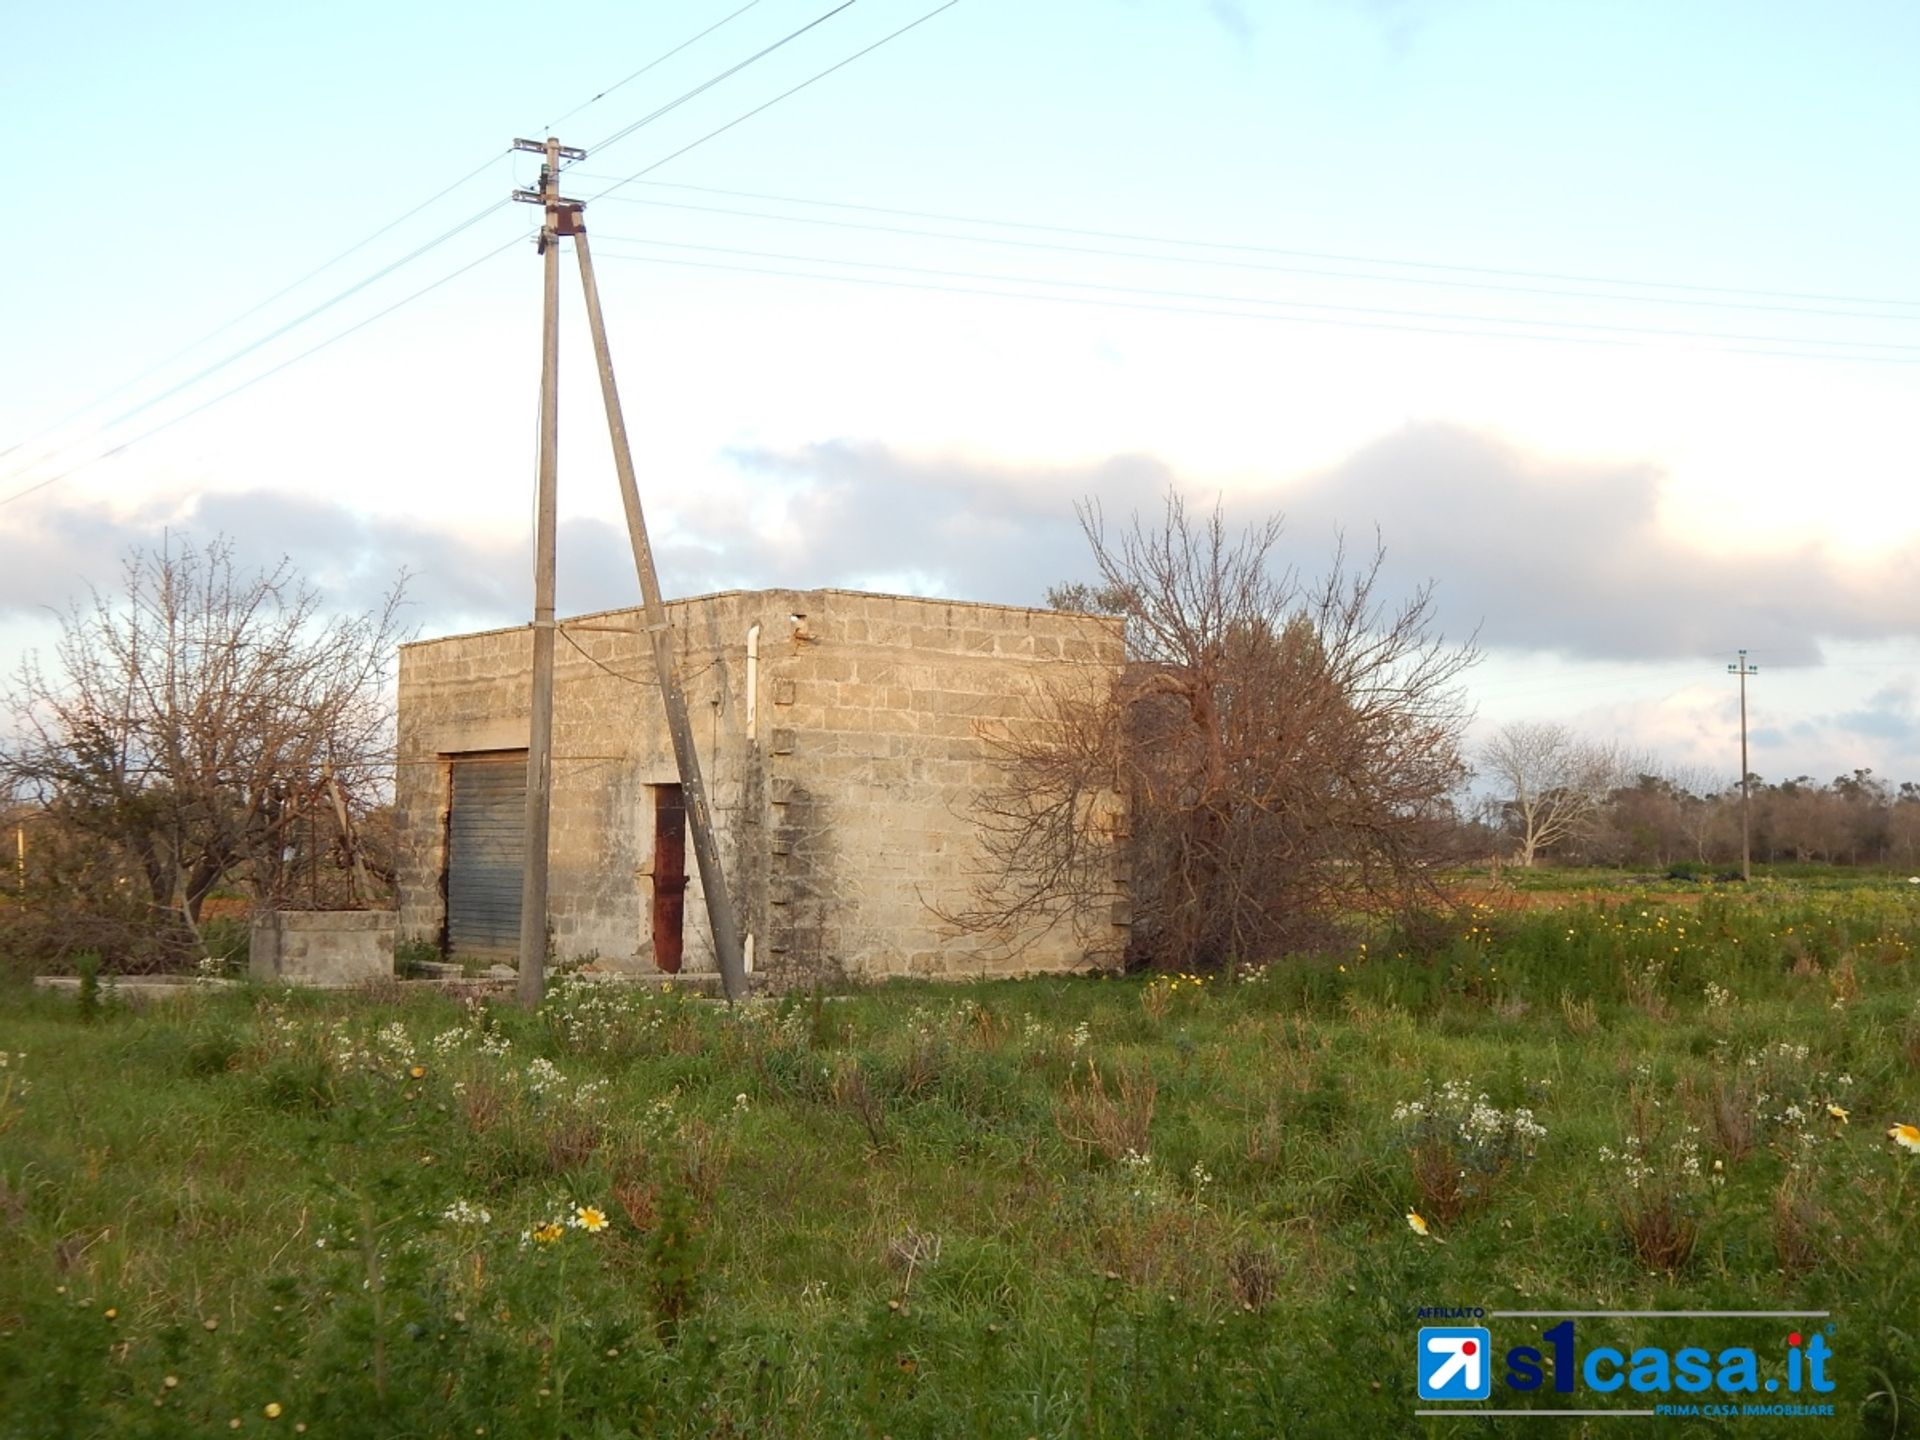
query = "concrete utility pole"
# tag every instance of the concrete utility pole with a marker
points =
(565, 218)
(1742, 669)
(533, 883)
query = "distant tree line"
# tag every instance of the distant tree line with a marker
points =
(1552, 795)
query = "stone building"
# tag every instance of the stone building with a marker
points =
(844, 738)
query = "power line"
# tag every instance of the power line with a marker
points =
(206, 371)
(784, 94)
(1348, 258)
(250, 382)
(1001, 240)
(1281, 303)
(246, 314)
(1535, 334)
(209, 370)
(551, 125)
(726, 74)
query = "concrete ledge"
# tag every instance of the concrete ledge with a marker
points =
(135, 987)
(322, 947)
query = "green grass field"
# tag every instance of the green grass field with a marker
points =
(1055, 1208)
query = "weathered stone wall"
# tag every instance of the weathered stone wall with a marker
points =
(321, 947)
(842, 800)
(468, 694)
(881, 708)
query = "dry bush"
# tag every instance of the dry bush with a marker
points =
(851, 1092)
(1275, 757)
(1661, 1233)
(1799, 1221)
(570, 1138)
(639, 1200)
(1438, 1182)
(1646, 989)
(704, 1156)
(684, 1036)
(1844, 982)
(1114, 1123)
(911, 1250)
(486, 1105)
(1582, 1016)
(1266, 1144)
(1255, 1275)
(1729, 1111)
(920, 1071)
(989, 1030)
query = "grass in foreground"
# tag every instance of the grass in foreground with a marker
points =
(1056, 1208)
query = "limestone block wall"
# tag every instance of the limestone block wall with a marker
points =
(463, 695)
(469, 694)
(841, 776)
(882, 709)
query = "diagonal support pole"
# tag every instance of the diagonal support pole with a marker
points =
(720, 912)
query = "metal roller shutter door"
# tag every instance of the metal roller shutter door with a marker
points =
(486, 853)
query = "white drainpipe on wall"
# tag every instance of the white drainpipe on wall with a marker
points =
(753, 717)
(753, 678)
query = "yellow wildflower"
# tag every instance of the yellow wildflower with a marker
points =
(418, 1072)
(271, 1410)
(1417, 1223)
(548, 1233)
(590, 1219)
(1838, 1112)
(1907, 1137)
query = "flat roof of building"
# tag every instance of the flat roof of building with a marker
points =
(774, 590)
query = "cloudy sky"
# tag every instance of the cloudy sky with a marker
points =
(1605, 316)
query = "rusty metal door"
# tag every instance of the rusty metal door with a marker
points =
(669, 875)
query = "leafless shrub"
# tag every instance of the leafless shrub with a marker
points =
(1277, 754)
(204, 724)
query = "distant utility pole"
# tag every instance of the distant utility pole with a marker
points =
(566, 218)
(1743, 670)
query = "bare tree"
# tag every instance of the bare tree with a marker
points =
(207, 723)
(1281, 752)
(1554, 784)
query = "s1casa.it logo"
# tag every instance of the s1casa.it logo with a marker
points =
(1455, 1363)
(1458, 1363)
